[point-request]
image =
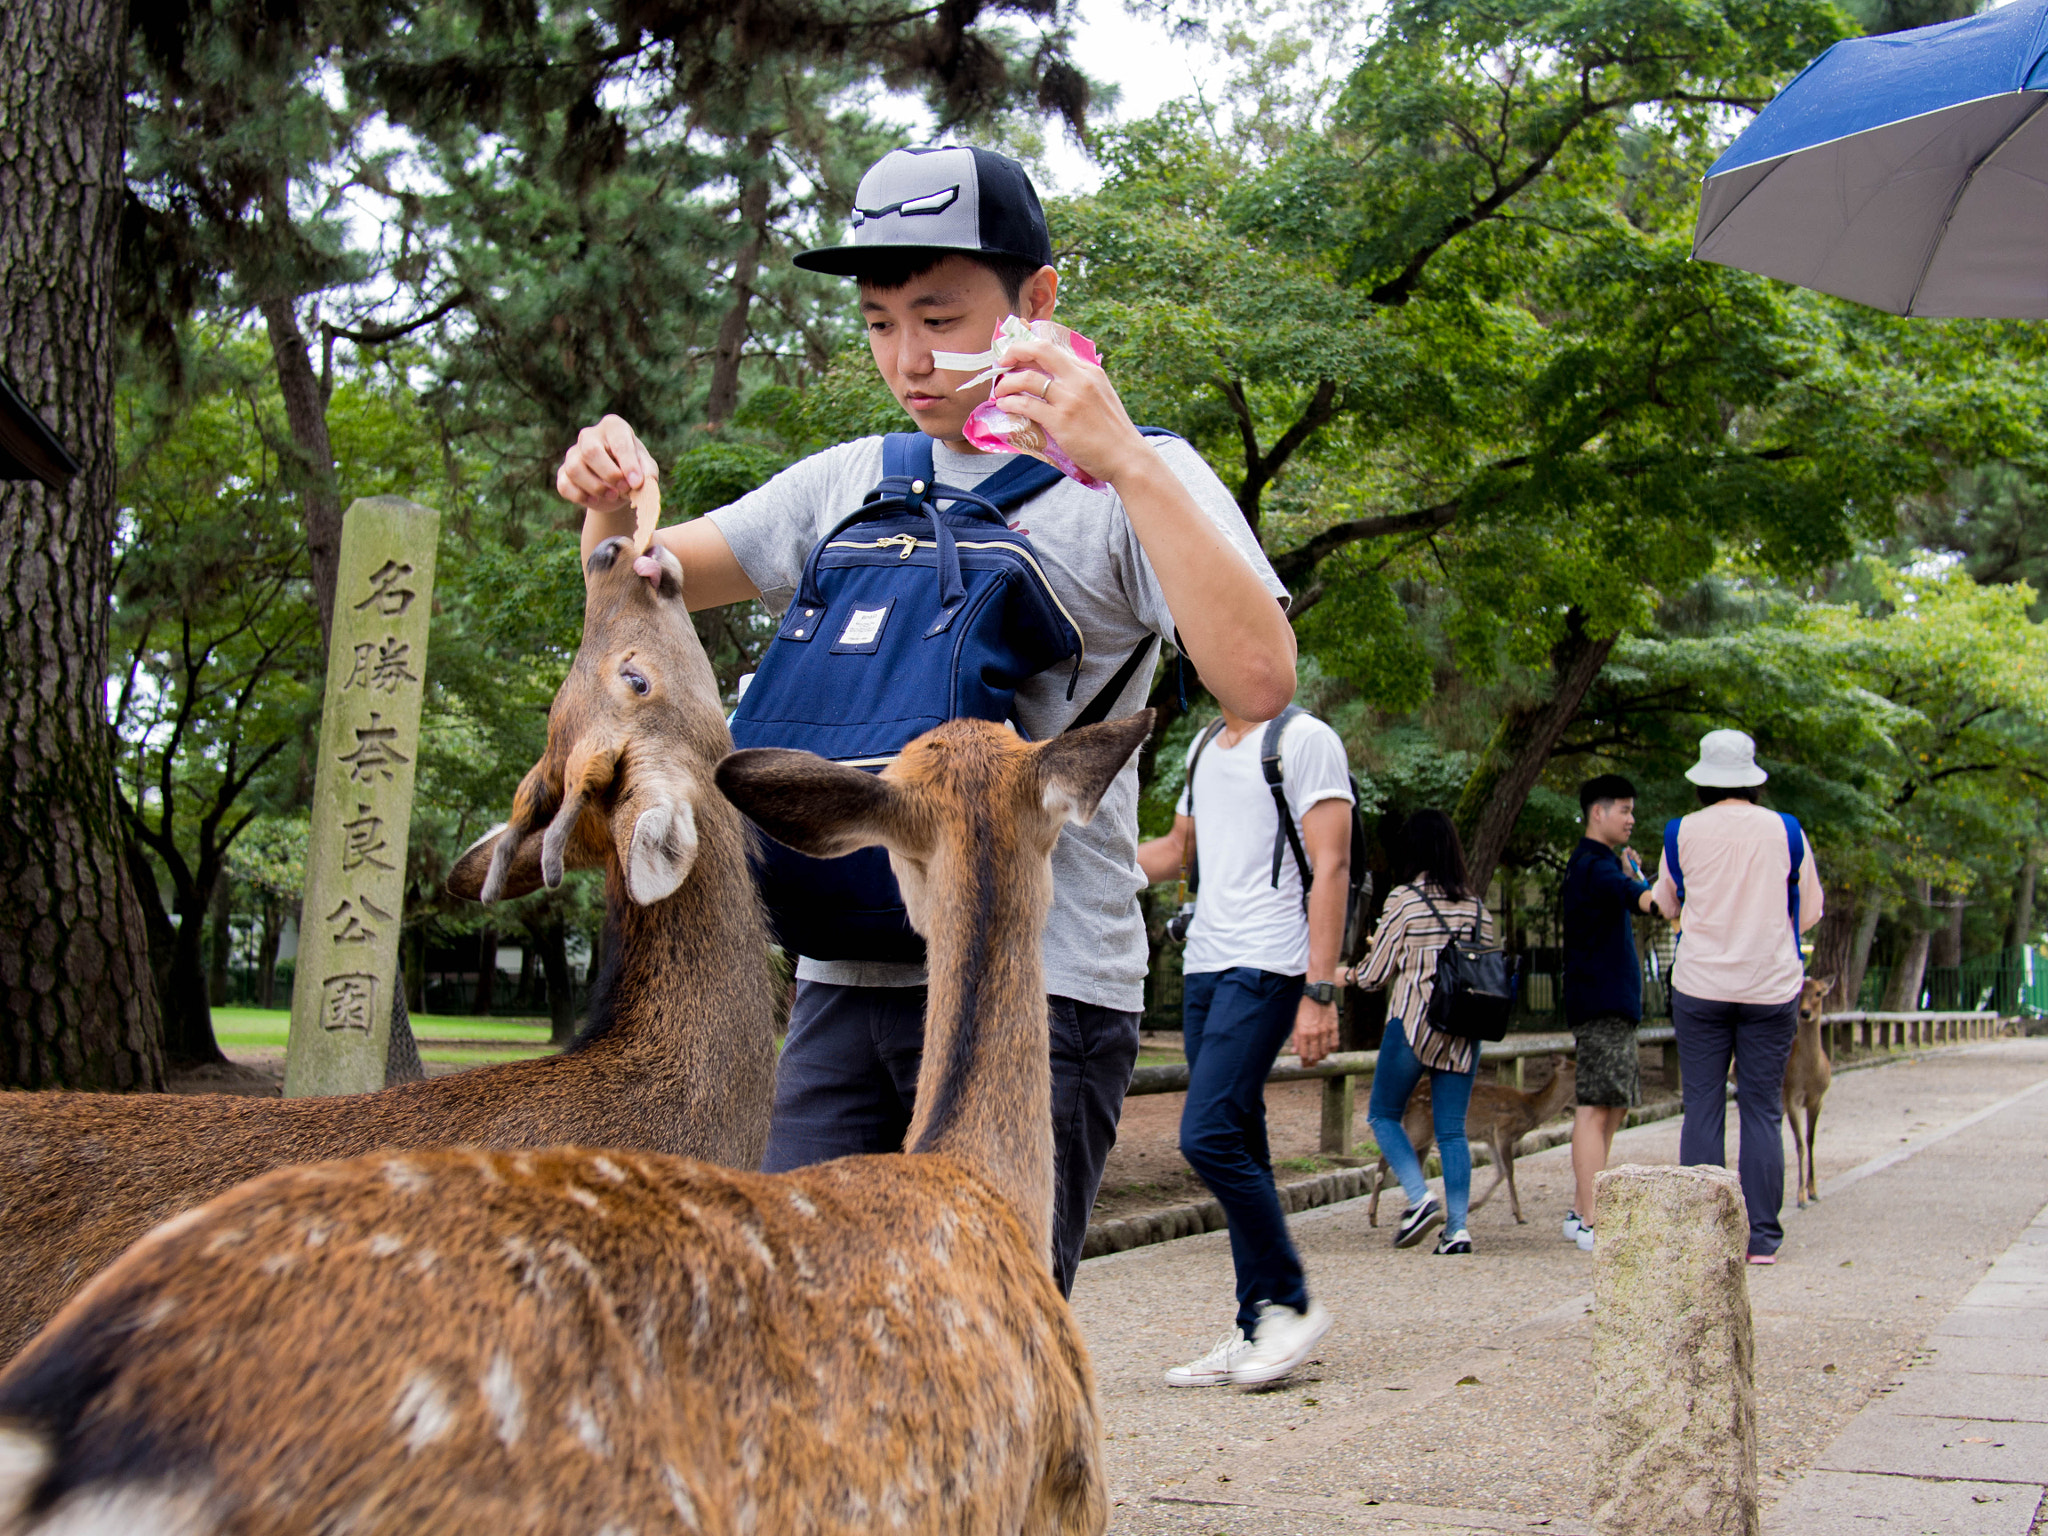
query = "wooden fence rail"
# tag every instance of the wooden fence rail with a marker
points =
(1340, 1072)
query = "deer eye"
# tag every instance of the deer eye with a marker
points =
(635, 681)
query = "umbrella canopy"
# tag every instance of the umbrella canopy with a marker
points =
(1908, 172)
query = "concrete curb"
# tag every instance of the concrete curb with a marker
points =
(1123, 1233)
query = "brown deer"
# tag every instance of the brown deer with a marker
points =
(678, 1053)
(462, 1341)
(1499, 1118)
(1807, 1075)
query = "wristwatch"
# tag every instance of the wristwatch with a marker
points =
(1320, 992)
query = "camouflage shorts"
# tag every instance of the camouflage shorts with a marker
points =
(1609, 1073)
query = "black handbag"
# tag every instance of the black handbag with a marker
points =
(1475, 982)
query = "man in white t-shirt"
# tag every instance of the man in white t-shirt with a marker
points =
(1257, 936)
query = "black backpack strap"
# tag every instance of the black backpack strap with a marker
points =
(1285, 837)
(1097, 709)
(1191, 872)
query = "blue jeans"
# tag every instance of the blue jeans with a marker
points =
(1233, 1024)
(1450, 1093)
(1759, 1038)
(847, 1080)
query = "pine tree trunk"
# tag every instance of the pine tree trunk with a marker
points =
(1520, 750)
(2022, 933)
(220, 940)
(305, 411)
(1903, 994)
(723, 397)
(77, 1008)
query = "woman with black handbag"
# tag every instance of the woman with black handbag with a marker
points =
(1426, 912)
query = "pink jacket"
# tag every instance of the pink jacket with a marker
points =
(1737, 944)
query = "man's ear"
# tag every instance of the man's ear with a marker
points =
(1077, 768)
(819, 808)
(473, 867)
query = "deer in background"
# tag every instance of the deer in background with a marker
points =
(1807, 1076)
(1499, 1117)
(678, 1053)
(463, 1341)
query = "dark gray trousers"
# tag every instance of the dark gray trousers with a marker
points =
(1758, 1037)
(847, 1080)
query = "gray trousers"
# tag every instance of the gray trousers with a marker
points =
(1758, 1037)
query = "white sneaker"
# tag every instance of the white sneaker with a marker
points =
(1585, 1238)
(1213, 1369)
(1572, 1226)
(1283, 1339)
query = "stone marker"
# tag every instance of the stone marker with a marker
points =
(347, 972)
(1674, 1375)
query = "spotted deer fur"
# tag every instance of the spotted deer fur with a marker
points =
(1807, 1076)
(506, 1342)
(678, 1053)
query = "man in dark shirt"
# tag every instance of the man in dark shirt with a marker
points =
(1603, 981)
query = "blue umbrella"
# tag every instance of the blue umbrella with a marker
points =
(1909, 172)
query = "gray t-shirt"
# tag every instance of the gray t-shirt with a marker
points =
(1095, 935)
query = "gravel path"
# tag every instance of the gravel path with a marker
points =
(1453, 1395)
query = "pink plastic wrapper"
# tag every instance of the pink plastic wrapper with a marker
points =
(995, 430)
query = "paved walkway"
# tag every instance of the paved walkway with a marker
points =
(1453, 1395)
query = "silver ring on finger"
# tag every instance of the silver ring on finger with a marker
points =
(1046, 393)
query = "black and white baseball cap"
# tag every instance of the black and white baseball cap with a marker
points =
(940, 200)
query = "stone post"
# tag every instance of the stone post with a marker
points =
(1674, 1389)
(347, 972)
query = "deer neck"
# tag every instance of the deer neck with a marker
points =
(682, 977)
(984, 1089)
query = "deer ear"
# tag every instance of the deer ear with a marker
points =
(472, 869)
(655, 827)
(819, 808)
(1077, 768)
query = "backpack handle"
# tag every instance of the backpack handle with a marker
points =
(915, 498)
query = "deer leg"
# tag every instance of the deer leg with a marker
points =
(1504, 1159)
(1799, 1141)
(1379, 1179)
(1812, 1122)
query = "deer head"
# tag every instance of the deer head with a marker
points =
(634, 736)
(1813, 996)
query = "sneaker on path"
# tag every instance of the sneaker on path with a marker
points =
(1572, 1226)
(1213, 1369)
(1585, 1238)
(1283, 1339)
(1763, 1258)
(1420, 1221)
(1459, 1241)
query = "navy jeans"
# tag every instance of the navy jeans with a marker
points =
(1233, 1024)
(847, 1080)
(1759, 1038)
(1450, 1095)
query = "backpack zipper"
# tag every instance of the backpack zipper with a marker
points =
(911, 542)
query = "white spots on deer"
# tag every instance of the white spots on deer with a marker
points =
(523, 1165)
(700, 1308)
(424, 1261)
(944, 1230)
(751, 1458)
(679, 1495)
(878, 1326)
(384, 1244)
(803, 1207)
(279, 1263)
(505, 1399)
(527, 1267)
(156, 1314)
(583, 1197)
(422, 1415)
(317, 1229)
(757, 1244)
(406, 1177)
(800, 1261)
(588, 1430)
(607, 1170)
(953, 1324)
(160, 1509)
(747, 1515)
(226, 1238)
(895, 1506)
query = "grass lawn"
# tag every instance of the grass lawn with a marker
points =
(269, 1028)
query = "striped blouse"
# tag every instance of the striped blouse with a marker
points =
(1404, 950)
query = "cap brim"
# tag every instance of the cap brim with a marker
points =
(856, 260)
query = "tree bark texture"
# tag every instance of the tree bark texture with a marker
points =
(219, 942)
(305, 411)
(552, 944)
(1520, 749)
(486, 998)
(1902, 995)
(1834, 936)
(2022, 933)
(1945, 945)
(1851, 988)
(77, 1008)
(733, 329)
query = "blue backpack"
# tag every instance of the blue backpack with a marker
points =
(1794, 841)
(922, 606)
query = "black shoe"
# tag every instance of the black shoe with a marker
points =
(1454, 1242)
(1420, 1221)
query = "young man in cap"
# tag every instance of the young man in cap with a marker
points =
(1743, 900)
(947, 242)
(1603, 981)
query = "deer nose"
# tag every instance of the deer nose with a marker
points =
(606, 554)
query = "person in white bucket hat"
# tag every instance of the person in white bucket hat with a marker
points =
(1746, 887)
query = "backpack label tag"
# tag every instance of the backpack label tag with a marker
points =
(863, 631)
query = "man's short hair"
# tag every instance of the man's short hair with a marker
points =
(1608, 786)
(1714, 794)
(885, 273)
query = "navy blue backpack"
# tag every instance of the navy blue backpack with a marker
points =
(920, 607)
